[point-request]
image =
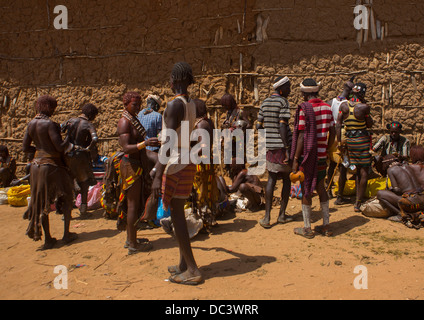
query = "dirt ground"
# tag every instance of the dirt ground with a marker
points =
(239, 259)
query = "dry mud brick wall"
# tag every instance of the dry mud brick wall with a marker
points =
(233, 46)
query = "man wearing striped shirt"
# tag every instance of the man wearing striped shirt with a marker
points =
(274, 115)
(326, 134)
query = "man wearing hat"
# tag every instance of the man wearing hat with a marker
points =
(313, 133)
(274, 115)
(151, 119)
(394, 143)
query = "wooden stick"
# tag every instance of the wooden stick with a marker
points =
(373, 25)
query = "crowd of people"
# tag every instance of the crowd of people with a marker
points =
(325, 138)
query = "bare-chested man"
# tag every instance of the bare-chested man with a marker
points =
(249, 185)
(49, 178)
(175, 177)
(134, 171)
(404, 179)
(83, 135)
(354, 114)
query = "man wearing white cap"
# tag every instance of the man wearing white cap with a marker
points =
(274, 115)
(151, 119)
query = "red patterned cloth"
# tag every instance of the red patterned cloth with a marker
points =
(178, 185)
(309, 164)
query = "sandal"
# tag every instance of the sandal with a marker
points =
(142, 247)
(139, 241)
(341, 201)
(181, 279)
(357, 206)
(324, 231)
(265, 225)
(285, 219)
(308, 234)
(173, 270)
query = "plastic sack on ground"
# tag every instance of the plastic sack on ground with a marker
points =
(3, 196)
(17, 196)
(373, 209)
(374, 185)
(93, 198)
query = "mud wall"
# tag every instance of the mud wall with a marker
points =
(111, 47)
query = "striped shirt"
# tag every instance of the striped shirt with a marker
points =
(273, 110)
(324, 120)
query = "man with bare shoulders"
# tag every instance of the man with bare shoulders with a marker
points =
(354, 114)
(404, 179)
(49, 177)
(174, 176)
(335, 157)
(249, 185)
(83, 135)
(134, 171)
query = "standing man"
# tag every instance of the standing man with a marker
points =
(134, 171)
(335, 156)
(50, 179)
(83, 135)
(175, 177)
(355, 115)
(151, 119)
(315, 151)
(274, 116)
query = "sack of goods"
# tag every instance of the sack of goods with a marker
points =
(17, 196)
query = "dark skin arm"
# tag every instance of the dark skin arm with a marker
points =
(299, 151)
(368, 120)
(331, 136)
(129, 146)
(243, 116)
(94, 137)
(343, 113)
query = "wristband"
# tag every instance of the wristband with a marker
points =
(141, 145)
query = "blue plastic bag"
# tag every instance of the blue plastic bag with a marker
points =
(161, 212)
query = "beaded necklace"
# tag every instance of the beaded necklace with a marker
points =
(42, 116)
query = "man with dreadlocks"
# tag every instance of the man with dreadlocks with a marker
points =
(50, 179)
(174, 174)
(83, 135)
(134, 172)
(354, 114)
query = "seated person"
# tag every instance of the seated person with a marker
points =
(405, 179)
(394, 143)
(7, 167)
(249, 185)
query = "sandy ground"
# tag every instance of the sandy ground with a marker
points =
(239, 260)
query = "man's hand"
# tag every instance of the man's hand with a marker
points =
(152, 142)
(156, 186)
(295, 165)
(341, 148)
